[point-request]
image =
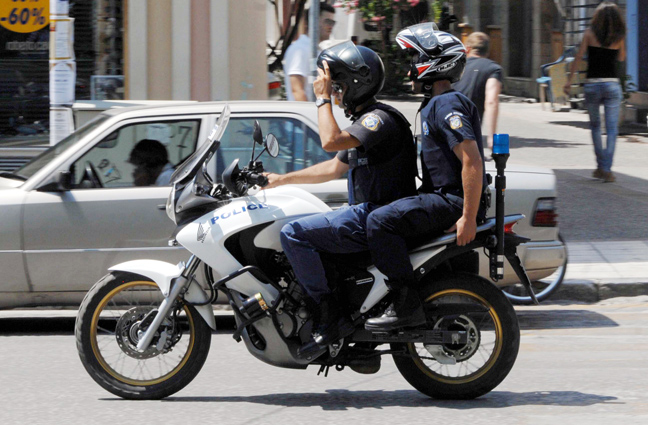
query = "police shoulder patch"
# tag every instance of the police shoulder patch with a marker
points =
(455, 122)
(426, 128)
(371, 122)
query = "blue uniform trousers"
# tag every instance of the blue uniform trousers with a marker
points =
(409, 220)
(339, 232)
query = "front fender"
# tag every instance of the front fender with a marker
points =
(163, 274)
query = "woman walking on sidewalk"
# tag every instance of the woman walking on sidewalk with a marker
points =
(604, 42)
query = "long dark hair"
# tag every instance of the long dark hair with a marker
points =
(608, 24)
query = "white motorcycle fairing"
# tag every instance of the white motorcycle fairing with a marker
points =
(206, 236)
(163, 274)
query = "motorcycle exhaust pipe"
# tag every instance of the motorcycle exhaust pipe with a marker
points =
(254, 305)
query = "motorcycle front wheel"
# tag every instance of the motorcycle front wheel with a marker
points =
(473, 366)
(113, 316)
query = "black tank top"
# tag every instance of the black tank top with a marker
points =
(601, 62)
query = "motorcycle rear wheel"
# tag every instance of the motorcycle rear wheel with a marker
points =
(106, 333)
(483, 361)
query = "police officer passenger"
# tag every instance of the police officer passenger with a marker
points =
(453, 173)
(378, 153)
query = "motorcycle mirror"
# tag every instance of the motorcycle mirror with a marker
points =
(258, 134)
(272, 145)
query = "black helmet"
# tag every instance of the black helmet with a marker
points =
(359, 68)
(436, 55)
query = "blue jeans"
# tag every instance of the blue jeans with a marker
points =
(409, 220)
(609, 94)
(339, 232)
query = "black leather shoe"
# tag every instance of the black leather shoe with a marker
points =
(405, 311)
(331, 326)
(325, 336)
(391, 320)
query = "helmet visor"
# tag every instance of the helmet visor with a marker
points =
(425, 35)
(348, 53)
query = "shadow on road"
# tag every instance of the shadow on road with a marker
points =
(563, 319)
(523, 142)
(578, 124)
(590, 210)
(545, 319)
(529, 319)
(345, 399)
(624, 130)
(37, 325)
(65, 325)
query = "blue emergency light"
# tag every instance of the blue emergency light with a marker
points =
(501, 144)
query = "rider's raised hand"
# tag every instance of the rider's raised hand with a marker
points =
(322, 85)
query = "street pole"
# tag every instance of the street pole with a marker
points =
(313, 33)
(62, 71)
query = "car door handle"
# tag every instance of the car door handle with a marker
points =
(161, 207)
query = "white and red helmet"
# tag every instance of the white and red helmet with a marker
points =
(436, 55)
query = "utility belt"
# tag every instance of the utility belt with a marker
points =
(484, 202)
(451, 191)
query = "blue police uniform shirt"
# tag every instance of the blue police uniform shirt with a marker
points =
(383, 168)
(446, 121)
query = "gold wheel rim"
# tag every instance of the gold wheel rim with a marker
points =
(106, 366)
(493, 357)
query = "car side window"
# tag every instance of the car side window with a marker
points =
(314, 154)
(142, 154)
(299, 146)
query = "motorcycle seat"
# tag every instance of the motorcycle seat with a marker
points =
(449, 238)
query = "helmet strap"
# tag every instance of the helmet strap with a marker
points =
(356, 109)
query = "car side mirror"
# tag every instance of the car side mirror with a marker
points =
(272, 145)
(257, 134)
(62, 183)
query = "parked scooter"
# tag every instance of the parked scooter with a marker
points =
(144, 330)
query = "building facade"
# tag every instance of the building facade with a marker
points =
(155, 50)
(530, 33)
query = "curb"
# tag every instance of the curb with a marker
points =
(589, 291)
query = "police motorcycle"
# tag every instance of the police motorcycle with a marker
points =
(144, 330)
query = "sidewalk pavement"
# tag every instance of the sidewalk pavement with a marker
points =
(604, 269)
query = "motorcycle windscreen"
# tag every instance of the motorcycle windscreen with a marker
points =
(190, 167)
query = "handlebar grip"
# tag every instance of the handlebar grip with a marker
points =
(258, 179)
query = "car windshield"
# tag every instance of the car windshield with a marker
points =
(36, 164)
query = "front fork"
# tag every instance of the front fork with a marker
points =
(178, 286)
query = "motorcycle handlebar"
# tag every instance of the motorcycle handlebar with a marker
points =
(257, 179)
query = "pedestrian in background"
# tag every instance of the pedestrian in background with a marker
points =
(482, 83)
(604, 42)
(296, 62)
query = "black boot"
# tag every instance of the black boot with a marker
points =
(405, 310)
(331, 326)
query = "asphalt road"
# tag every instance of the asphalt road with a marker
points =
(578, 364)
(588, 209)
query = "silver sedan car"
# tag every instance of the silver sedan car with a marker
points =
(75, 210)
